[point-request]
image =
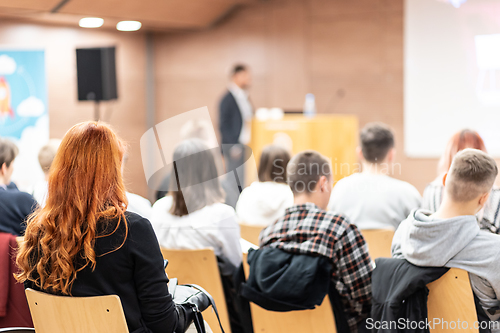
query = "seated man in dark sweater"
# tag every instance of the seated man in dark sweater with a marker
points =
(307, 228)
(15, 206)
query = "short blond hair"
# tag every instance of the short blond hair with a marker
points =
(47, 153)
(472, 173)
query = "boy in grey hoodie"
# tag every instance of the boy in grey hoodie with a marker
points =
(451, 237)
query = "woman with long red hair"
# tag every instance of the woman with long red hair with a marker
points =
(489, 217)
(84, 243)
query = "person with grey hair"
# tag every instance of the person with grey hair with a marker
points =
(451, 237)
(372, 199)
(45, 157)
(15, 206)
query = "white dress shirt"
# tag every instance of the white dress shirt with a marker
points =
(241, 97)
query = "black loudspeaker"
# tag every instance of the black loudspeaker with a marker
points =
(96, 72)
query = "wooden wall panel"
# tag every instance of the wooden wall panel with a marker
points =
(126, 115)
(348, 53)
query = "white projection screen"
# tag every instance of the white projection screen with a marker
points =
(452, 73)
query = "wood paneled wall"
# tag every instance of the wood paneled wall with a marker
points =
(348, 53)
(126, 115)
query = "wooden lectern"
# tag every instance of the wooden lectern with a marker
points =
(334, 136)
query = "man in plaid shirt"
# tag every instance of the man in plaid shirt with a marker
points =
(307, 228)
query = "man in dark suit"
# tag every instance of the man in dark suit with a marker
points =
(15, 206)
(235, 119)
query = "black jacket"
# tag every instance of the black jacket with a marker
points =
(400, 293)
(15, 206)
(230, 119)
(280, 281)
(135, 273)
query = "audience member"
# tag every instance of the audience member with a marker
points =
(15, 206)
(372, 199)
(263, 202)
(307, 228)
(451, 237)
(203, 130)
(136, 203)
(45, 158)
(193, 215)
(84, 243)
(488, 217)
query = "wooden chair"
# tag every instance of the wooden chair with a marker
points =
(451, 299)
(379, 242)
(319, 320)
(63, 314)
(200, 267)
(250, 232)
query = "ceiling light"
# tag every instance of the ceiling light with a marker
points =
(91, 22)
(128, 25)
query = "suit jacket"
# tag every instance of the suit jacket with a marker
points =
(15, 206)
(230, 119)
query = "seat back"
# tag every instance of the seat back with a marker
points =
(451, 301)
(250, 232)
(320, 319)
(200, 267)
(379, 242)
(62, 314)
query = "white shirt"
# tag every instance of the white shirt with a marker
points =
(139, 205)
(374, 201)
(262, 203)
(245, 107)
(39, 191)
(214, 226)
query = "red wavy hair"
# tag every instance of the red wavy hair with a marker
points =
(85, 193)
(459, 141)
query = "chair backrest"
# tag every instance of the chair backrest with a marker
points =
(62, 314)
(250, 232)
(321, 319)
(379, 242)
(451, 301)
(17, 330)
(200, 267)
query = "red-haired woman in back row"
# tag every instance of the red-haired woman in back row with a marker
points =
(489, 217)
(84, 243)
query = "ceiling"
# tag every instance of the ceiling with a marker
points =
(153, 14)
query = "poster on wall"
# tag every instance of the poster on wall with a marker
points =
(24, 115)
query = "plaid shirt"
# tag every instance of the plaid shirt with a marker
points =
(307, 229)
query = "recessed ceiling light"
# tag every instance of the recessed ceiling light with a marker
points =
(91, 22)
(128, 25)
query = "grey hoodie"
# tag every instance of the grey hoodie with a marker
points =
(456, 242)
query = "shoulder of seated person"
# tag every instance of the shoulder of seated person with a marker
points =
(134, 219)
(222, 207)
(166, 201)
(402, 183)
(18, 194)
(335, 215)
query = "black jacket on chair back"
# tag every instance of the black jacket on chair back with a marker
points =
(400, 294)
